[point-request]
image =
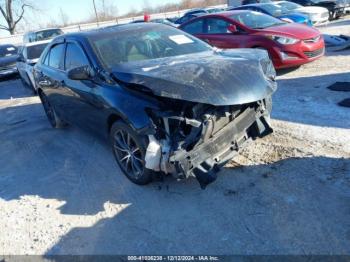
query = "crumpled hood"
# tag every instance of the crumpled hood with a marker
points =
(228, 77)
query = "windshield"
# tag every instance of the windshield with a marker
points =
(143, 43)
(8, 50)
(35, 51)
(47, 34)
(274, 10)
(256, 20)
(289, 5)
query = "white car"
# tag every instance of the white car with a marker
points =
(27, 58)
(318, 15)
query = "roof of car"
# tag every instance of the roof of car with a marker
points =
(43, 30)
(260, 4)
(109, 29)
(7, 45)
(37, 43)
(227, 13)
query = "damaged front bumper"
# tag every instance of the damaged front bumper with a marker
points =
(204, 160)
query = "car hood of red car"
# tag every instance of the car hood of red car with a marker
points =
(293, 30)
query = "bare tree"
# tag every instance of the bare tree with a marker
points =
(12, 11)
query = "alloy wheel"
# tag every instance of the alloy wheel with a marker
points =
(128, 154)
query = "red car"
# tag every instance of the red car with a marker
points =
(288, 44)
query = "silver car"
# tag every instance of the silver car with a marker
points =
(26, 60)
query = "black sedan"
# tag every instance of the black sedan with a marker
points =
(168, 102)
(8, 58)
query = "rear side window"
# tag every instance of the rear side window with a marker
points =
(195, 27)
(75, 57)
(55, 56)
(217, 26)
(35, 51)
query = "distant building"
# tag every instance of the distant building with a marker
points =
(234, 2)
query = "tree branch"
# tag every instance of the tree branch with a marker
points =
(3, 13)
(21, 15)
(2, 27)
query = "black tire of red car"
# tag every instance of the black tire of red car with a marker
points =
(129, 150)
(52, 116)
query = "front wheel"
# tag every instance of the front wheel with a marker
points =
(129, 150)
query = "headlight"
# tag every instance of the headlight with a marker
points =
(283, 40)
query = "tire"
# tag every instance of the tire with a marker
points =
(53, 118)
(129, 150)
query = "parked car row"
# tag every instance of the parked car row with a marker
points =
(335, 8)
(310, 12)
(277, 11)
(21, 60)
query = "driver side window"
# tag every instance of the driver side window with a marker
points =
(75, 57)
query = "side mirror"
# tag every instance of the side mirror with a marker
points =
(80, 73)
(232, 28)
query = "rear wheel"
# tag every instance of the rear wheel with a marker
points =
(129, 149)
(54, 120)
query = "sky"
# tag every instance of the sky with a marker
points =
(78, 10)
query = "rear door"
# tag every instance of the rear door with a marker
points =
(50, 77)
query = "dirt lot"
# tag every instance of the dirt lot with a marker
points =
(61, 191)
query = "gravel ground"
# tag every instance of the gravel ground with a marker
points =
(61, 191)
